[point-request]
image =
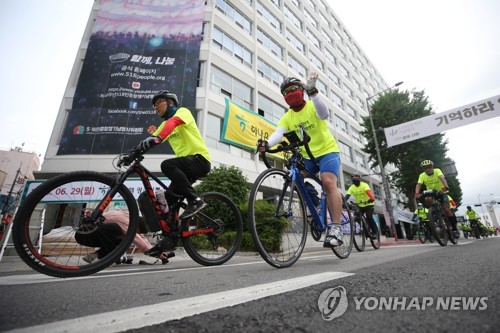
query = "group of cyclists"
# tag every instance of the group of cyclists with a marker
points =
(192, 159)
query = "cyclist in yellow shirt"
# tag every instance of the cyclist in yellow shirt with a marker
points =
(365, 200)
(192, 159)
(313, 114)
(473, 219)
(433, 179)
(421, 212)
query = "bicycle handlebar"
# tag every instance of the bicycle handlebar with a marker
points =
(293, 144)
(127, 158)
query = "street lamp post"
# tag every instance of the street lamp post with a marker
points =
(385, 182)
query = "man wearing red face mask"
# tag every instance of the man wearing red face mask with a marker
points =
(313, 114)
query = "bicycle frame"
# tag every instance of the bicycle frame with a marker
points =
(298, 179)
(145, 175)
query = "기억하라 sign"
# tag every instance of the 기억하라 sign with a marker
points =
(443, 121)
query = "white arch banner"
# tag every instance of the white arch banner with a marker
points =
(443, 121)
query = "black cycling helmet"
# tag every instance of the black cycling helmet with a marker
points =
(166, 94)
(426, 163)
(469, 207)
(290, 81)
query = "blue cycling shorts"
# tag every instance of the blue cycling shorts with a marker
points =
(326, 163)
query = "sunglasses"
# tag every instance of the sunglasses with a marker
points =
(291, 89)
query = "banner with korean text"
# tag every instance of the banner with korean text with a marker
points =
(443, 121)
(243, 127)
(136, 48)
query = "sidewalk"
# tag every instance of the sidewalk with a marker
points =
(384, 241)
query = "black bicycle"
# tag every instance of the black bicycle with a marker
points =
(475, 230)
(362, 229)
(438, 220)
(424, 231)
(277, 208)
(57, 210)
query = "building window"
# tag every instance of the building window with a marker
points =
(228, 44)
(269, 17)
(293, 18)
(315, 61)
(235, 15)
(360, 160)
(296, 65)
(345, 151)
(272, 45)
(351, 112)
(269, 109)
(269, 72)
(337, 100)
(227, 86)
(214, 130)
(313, 39)
(355, 135)
(295, 41)
(341, 124)
(311, 19)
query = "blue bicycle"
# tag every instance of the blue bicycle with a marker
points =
(277, 208)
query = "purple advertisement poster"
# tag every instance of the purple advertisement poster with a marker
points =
(137, 48)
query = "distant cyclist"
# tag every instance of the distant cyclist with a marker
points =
(433, 179)
(364, 199)
(421, 212)
(473, 219)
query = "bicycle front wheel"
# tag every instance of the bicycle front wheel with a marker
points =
(347, 226)
(375, 239)
(438, 226)
(358, 236)
(212, 236)
(422, 236)
(277, 218)
(55, 234)
(451, 234)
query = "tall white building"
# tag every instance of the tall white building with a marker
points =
(247, 48)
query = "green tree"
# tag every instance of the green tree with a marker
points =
(227, 180)
(393, 108)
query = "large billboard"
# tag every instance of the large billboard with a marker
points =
(137, 47)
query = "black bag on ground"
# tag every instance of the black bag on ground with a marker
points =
(148, 211)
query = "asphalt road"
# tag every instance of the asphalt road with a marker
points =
(428, 288)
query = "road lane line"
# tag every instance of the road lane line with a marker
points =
(122, 320)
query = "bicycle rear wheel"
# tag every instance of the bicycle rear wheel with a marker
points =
(56, 216)
(347, 226)
(218, 246)
(279, 233)
(358, 236)
(438, 226)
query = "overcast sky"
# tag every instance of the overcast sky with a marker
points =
(449, 48)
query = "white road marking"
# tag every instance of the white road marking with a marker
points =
(122, 320)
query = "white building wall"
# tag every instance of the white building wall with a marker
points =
(12, 161)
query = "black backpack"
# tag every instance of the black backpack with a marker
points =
(148, 211)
